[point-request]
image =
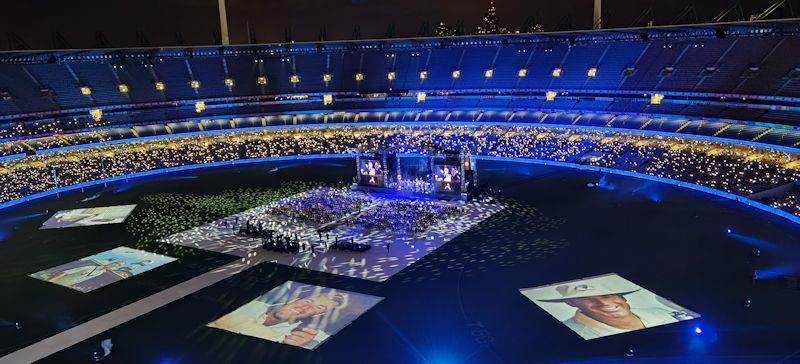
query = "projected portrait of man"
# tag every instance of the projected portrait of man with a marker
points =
(84, 271)
(290, 322)
(602, 311)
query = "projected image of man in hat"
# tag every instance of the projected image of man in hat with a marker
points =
(602, 311)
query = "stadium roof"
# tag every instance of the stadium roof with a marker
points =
(782, 27)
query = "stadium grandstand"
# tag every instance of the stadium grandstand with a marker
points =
(713, 108)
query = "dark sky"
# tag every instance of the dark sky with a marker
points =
(35, 20)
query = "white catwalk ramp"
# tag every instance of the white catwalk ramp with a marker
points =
(391, 252)
(89, 329)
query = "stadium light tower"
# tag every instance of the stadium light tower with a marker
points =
(223, 23)
(598, 16)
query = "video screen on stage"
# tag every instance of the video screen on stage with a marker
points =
(448, 178)
(370, 172)
(606, 305)
(102, 269)
(297, 314)
(88, 216)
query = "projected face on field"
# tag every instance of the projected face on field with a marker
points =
(102, 269)
(88, 216)
(606, 305)
(370, 172)
(297, 314)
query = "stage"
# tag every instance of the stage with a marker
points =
(392, 250)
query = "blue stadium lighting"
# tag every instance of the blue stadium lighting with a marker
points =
(729, 231)
(698, 330)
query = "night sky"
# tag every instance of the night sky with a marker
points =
(160, 20)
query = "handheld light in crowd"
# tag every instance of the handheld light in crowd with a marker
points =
(123, 88)
(327, 99)
(456, 74)
(85, 90)
(655, 99)
(522, 72)
(557, 72)
(421, 96)
(199, 106)
(327, 77)
(550, 95)
(97, 114)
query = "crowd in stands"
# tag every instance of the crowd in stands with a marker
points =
(738, 169)
(789, 201)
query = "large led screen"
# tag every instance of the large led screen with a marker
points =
(606, 305)
(102, 269)
(88, 216)
(297, 314)
(448, 178)
(370, 172)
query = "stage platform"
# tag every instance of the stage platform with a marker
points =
(392, 250)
